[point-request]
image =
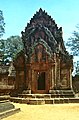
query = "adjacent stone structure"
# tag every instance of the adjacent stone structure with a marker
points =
(7, 109)
(7, 79)
(75, 83)
(44, 65)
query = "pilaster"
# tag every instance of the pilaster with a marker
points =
(57, 74)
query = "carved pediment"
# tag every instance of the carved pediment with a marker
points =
(40, 51)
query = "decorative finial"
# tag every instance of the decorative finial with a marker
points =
(40, 10)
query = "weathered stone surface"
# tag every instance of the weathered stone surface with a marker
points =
(7, 108)
(43, 66)
(9, 112)
(49, 101)
(6, 105)
(74, 100)
(37, 101)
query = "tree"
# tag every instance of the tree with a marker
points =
(77, 68)
(73, 42)
(2, 51)
(13, 45)
(9, 48)
(2, 24)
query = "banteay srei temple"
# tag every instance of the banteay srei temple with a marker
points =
(43, 69)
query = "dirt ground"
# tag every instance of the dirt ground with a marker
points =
(46, 112)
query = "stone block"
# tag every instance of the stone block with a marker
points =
(8, 113)
(61, 101)
(48, 101)
(56, 101)
(6, 105)
(66, 100)
(40, 102)
(47, 96)
(32, 102)
(40, 96)
(74, 100)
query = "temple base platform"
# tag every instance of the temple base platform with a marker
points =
(56, 97)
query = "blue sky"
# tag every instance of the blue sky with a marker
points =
(17, 14)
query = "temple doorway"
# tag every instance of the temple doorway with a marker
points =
(40, 84)
(41, 81)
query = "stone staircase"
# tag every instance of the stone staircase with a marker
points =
(62, 93)
(40, 101)
(51, 94)
(56, 97)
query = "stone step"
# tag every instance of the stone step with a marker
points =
(35, 95)
(58, 95)
(61, 92)
(7, 108)
(4, 101)
(62, 96)
(8, 113)
(37, 101)
(4, 97)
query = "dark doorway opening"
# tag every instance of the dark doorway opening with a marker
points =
(41, 81)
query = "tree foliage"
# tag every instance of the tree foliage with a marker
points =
(2, 24)
(73, 42)
(77, 68)
(10, 48)
(2, 51)
(13, 45)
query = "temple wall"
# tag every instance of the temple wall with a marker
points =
(57, 75)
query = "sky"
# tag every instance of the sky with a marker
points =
(17, 13)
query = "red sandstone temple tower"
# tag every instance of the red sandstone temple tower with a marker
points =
(44, 66)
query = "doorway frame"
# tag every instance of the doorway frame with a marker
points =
(34, 86)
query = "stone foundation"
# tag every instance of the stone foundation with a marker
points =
(41, 101)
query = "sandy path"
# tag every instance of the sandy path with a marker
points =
(46, 112)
